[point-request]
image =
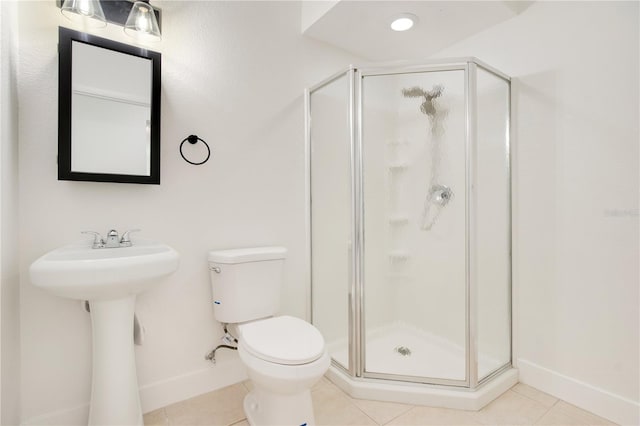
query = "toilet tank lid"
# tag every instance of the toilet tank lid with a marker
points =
(252, 254)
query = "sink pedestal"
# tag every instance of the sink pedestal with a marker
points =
(114, 386)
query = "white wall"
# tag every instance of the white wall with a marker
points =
(311, 11)
(575, 69)
(232, 73)
(9, 280)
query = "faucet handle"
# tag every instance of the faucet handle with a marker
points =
(125, 241)
(98, 241)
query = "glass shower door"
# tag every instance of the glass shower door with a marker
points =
(492, 240)
(414, 211)
(331, 214)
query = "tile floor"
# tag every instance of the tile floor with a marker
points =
(521, 405)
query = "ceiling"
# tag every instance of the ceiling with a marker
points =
(362, 27)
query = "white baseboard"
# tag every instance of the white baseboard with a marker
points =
(179, 388)
(66, 416)
(588, 397)
(159, 394)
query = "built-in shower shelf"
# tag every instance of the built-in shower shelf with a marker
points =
(398, 220)
(398, 277)
(399, 166)
(398, 255)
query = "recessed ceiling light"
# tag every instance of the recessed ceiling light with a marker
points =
(403, 22)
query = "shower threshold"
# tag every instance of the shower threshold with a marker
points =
(424, 394)
(400, 349)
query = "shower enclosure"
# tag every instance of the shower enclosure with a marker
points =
(410, 227)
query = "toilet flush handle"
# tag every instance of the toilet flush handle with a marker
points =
(215, 269)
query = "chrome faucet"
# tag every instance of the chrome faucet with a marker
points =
(98, 241)
(125, 241)
(112, 240)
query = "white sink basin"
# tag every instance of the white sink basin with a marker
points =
(110, 279)
(78, 271)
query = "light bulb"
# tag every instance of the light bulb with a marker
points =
(403, 22)
(87, 12)
(84, 8)
(142, 21)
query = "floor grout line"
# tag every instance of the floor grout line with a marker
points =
(163, 415)
(401, 414)
(534, 400)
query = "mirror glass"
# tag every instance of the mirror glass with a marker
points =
(109, 126)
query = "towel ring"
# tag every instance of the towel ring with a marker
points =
(193, 139)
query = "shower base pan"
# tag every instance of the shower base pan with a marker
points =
(423, 394)
(401, 349)
(404, 350)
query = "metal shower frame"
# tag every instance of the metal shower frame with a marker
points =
(357, 347)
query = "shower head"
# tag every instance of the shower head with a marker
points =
(416, 92)
(427, 107)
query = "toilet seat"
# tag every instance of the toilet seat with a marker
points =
(282, 340)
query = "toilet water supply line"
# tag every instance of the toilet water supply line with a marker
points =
(228, 340)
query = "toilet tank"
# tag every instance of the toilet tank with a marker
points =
(246, 282)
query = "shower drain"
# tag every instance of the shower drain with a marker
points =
(403, 350)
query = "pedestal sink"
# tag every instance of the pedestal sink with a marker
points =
(109, 278)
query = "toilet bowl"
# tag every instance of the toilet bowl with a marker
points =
(284, 356)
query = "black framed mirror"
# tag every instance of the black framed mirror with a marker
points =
(108, 110)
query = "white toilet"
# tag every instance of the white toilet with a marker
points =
(284, 356)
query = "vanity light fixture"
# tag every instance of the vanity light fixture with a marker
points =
(87, 11)
(142, 23)
(139, 19)
(403, 22)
